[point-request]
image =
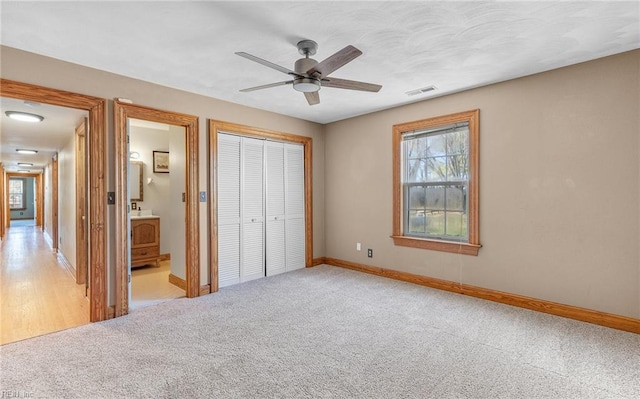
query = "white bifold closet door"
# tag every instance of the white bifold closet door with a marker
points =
(261, 228)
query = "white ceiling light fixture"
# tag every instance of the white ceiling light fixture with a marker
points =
(24, 164)
(24, 170)
(26, 151)
(306, 85)
(24, 116)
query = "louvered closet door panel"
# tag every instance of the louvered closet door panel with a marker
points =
(295, 244)
(252, 180)
(228, 255)
(228, 209)
(294, 158)
(252, 251)
(276, 254)
(274, 153)
(252, 265)
(294, 201)
(275, 204)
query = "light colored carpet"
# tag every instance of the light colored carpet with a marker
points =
(327, 332)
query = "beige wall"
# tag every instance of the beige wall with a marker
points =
(31, 68)
(559, 187)
(67, 200)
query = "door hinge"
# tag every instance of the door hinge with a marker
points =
(129, 279)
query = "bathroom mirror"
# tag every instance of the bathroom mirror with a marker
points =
(135, 180)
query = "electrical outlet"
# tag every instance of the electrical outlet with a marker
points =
(358, 246)
(370, 253)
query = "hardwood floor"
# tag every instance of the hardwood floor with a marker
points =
(38, 293)
(150, 285)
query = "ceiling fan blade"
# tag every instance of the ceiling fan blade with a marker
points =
(350, 84)
(267, 63)
(288, 82)
(337, 60)
(313, 98)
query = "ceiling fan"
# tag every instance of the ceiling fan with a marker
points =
(310, 75)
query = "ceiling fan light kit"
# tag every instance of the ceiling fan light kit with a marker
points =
(309, 75)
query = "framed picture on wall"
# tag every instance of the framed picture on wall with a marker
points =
(161, 162)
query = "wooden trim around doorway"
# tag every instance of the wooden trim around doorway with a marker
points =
(81, 201)
(219, 126)
(2, 202)
(122, 112)
(97, 178)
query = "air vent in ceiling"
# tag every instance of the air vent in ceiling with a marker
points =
(420, 91)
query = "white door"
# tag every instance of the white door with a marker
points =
(275, 208)
(228, 209)
(294, 206)
(261, 209)
(252, 200)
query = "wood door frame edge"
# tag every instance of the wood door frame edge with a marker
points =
(81, 195)
(121, 112)
(214, 127)
(97, 177)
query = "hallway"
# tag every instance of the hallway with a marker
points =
(38, 293)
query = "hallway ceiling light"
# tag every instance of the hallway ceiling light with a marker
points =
(25, 151)
(24, 116)
(24, 170)
(24, 164)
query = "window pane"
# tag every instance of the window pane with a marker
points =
(416, 198)
(416, 148)
(436, 145)
(435, 222)
(457, 224)
(456, 198)
(415, 170)
(457, 142)
(457, 168)
(417, 222)
(436, 169)
(435, 198)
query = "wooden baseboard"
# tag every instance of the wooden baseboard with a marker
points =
(319, 261)
(67, 265)
(205, 289)
(177, 281)
(111, 312)
(572, 312)
(164, 257)
(182, 284)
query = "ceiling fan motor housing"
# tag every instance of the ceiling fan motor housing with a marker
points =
(304, 64)
(306, 84)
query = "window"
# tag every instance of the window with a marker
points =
(16, 194)
(435, 174)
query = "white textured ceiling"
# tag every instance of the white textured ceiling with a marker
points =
(406, 45)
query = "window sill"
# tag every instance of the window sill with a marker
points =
(436, 245)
